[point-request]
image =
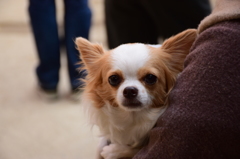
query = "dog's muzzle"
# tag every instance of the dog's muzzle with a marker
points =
(130, 100)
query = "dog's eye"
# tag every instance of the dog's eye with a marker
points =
(150, 79)
(114, 80)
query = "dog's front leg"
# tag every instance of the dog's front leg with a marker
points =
(103, 142)
(116, 151)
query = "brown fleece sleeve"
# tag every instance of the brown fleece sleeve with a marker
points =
(202, 120)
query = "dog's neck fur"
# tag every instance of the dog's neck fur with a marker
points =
(121, 126)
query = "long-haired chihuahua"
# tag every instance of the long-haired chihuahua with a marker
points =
(127, 89)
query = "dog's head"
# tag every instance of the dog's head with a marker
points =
(134, 76)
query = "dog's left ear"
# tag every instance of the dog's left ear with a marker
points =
(178, 48)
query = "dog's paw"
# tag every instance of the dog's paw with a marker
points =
(110, 152)
(115, 151)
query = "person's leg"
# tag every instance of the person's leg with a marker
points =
(44, 26)
(174, 16)
(77, 23)
(128, 22)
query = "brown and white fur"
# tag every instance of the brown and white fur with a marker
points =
(127, 88)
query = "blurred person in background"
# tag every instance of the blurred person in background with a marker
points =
(77, 21)
(145, 21)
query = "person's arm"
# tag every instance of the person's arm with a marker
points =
(202, 120)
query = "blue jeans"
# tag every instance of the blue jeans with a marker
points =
(77, 23)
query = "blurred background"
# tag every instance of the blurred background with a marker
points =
(31, 128)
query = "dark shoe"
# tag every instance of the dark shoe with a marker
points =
(76, 94)
(47, 94)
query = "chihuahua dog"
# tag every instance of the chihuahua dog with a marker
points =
(127, 89)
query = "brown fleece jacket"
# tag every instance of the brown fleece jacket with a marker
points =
(224, 10)
(203, 118)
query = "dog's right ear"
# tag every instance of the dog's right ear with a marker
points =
(89, 53)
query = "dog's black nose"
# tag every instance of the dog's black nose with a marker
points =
(130, 92)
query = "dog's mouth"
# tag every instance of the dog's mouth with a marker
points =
(133, 103)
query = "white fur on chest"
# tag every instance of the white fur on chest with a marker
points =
(123, 127)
